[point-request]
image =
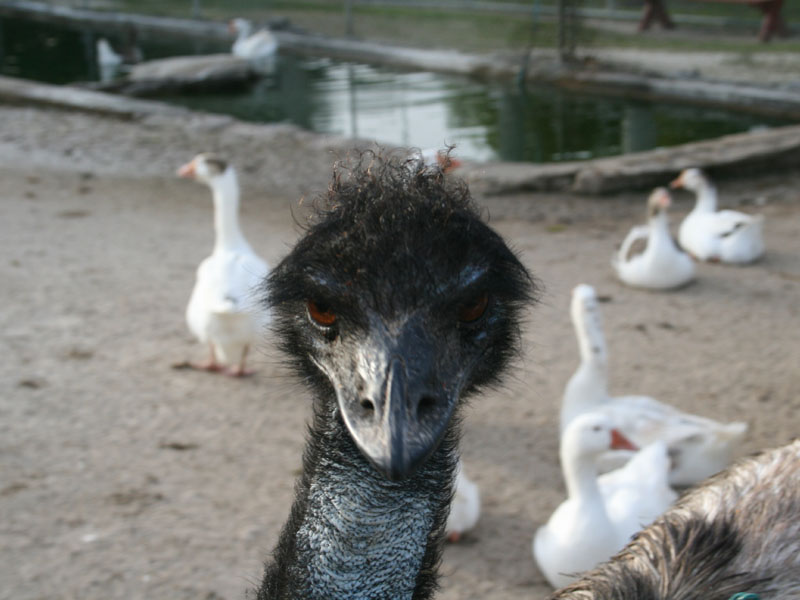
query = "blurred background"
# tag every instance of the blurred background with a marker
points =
(486, 118)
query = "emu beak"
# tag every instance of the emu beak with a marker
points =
(397, 422)
(187, 171)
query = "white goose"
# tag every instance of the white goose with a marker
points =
(649, 257)
(254, 46)
(708, 234)
(598, 517)
(465, 507)
(223, 310)
(108, 61)
(106, 56)
(698, 446)
(638, 492)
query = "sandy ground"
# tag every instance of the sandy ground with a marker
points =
(122, 478)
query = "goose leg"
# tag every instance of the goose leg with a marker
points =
(211, 364)
(239, 370)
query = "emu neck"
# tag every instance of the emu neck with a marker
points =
(706, 198)
(225, 191)
(356, 535)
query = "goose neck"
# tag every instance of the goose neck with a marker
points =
(706, 197)
(225, 191)
(580, 476)
(586, 390)
(244, 30)
(659, 230)
(591, 341)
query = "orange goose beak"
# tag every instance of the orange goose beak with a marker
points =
(186, 171)
(620, 442)
(677, 182)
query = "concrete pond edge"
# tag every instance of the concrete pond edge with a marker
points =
(737, 154)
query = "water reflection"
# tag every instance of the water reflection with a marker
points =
(485, 121)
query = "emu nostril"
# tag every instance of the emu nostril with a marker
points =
(367, 405)
(426, 405)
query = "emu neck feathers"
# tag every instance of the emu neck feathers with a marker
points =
(225, 190)
(355, 534)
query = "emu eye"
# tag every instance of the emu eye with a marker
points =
(472, 311)
(321, 314)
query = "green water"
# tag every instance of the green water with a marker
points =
(486, 121)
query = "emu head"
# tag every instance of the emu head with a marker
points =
(398, 302)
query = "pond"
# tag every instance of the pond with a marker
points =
(486, 121)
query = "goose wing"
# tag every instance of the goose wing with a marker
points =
(634, 244)
(727, 222)
(233, 282)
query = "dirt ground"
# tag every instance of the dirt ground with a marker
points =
(123, 478)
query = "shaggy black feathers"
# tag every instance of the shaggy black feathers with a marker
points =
(392, 242)
(397, 235)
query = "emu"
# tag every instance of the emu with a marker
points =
(397, 304)
(736, 534)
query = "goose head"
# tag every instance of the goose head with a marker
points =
(584, 299)
(240, 26)
(658, 202)
(690, 179)
(586, 318)
(205, 168)
(590, 435)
